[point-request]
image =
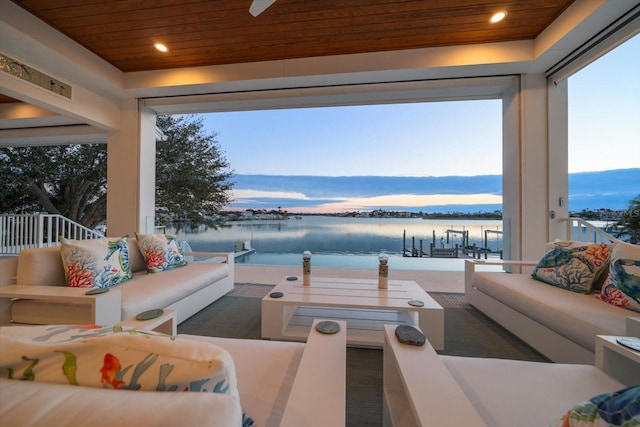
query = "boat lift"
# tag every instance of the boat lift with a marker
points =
(453, 251)
(434, 252)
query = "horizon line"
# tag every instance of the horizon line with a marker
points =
(414, 176)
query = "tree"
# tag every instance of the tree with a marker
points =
(628, 227)
(68, 179)
(192, 176)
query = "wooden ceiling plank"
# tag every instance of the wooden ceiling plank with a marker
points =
(161, 15)
(204, 32)
(184, 32)
(188, 38)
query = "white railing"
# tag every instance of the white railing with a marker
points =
(18, 232)
(583, 231)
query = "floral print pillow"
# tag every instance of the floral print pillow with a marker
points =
(95, 263)
(622, 287)
(115, 358)
(619, 408)
(575, 266)
(160, 251)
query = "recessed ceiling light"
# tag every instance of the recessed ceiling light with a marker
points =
(161, 47)
(498, 17)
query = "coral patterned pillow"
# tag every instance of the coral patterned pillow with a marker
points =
(110, 357)
(622, 287)
(619, 408)
(575, 266)
(160, 251)
(98, 263)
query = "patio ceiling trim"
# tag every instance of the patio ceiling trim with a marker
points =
(623, 29)
(336, 95)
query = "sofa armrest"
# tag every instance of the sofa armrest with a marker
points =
(419, 390)
(318, 394)
(219, 257)
(473, 265)
(226, 257)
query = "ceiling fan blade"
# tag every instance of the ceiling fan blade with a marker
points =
(259, 6)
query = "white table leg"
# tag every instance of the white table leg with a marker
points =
(272, 314)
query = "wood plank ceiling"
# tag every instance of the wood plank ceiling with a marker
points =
(214, 32)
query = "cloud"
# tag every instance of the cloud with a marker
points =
(410, 201)
(261, 194)
(299, 202)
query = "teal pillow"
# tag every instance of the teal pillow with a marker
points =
(575, 266)
(160, 251)
(618, 408)
(622, 287)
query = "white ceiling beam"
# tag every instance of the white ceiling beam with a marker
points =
(59, 135)
(363, 94)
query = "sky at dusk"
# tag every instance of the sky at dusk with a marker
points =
(461, 138)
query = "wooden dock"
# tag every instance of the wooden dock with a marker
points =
(448, 251)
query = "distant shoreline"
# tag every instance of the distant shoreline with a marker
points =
(602, 214)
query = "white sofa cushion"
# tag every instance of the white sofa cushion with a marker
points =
(25, 403)
(162, 289)
(578, 317)
(509, 393)
(143, 292)
(40, 266)
(136, 260)
(264, 387)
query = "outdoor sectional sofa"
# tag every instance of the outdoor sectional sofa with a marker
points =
(422, 388)
(559, 323)
(271, 383)
(35, 291)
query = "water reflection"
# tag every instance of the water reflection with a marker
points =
(338, 235)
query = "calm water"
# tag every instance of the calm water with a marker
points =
(345, 242)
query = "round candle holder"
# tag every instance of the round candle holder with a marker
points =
(306, 268)
(383, 271)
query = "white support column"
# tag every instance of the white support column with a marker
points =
(534, 164)
(558, 107)
(511, 171)
(525, 167)
(131, 172)
(147, 183)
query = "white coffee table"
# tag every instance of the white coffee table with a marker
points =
(359, 302)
